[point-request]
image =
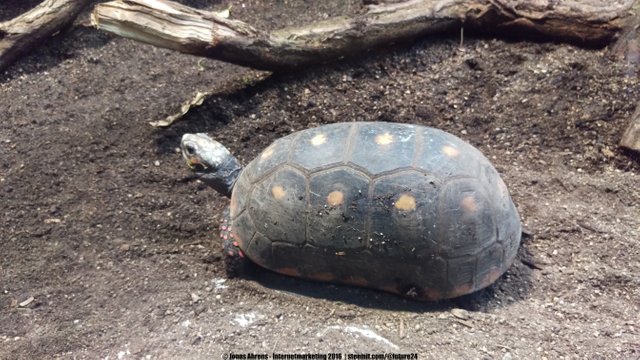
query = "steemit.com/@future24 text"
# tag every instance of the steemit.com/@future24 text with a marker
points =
(326, 356)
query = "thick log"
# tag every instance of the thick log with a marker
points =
(21, 34)
(174, 26)
(631, 137)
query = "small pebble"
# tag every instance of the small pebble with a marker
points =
(26, 302)
(460, 314)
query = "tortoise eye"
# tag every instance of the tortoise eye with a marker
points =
(190, 150)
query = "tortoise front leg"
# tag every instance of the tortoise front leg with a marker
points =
(236, 263)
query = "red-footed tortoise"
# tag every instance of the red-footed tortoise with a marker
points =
(402, 208)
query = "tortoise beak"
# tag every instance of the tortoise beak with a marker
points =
(194, 164)
(190, 163)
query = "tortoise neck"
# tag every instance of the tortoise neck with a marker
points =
(224, 178)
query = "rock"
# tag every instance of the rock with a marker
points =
(195, 298)
(347, 314)
(460, 314)
(26, 302)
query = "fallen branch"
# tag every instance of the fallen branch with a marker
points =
(21, 34)
(627, 49)
(171, 25)
(174, 26)
(631, 137)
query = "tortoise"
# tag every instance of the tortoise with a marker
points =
(402, 208)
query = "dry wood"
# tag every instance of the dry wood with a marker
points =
(627, 49)
(631, 137)
(171, 25)
(174, 26)
(19, 35)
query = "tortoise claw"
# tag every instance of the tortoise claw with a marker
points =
(229, 245)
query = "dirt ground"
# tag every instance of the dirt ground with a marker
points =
(117, 248)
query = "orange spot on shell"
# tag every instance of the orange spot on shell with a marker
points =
(289, 271)
(502, 187)
(322, 276)
(278, 192)
(233, 206)
(384, 139)
(489, 278)
(461, 290)
(406, 202)
(469, 204)
(357, 281)
(450, 151)
(318, 140)
(267, 152)
(432, 295)
(335, 198)
(391, 289)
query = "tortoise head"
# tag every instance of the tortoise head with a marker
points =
(202, 153)
(211, 162)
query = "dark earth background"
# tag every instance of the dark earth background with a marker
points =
(101, 225)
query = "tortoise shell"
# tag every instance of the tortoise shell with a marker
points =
(402, 208)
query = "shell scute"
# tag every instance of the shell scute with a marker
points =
(320, 147)
(395, 143)
(403, 213)
(269, 159)
(278, 206)
(338, 209)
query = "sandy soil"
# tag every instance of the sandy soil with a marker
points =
(103, 229)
